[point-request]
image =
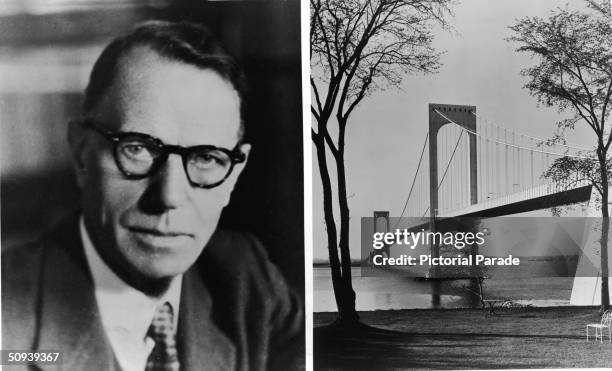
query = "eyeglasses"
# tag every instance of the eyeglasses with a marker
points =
(139, 155)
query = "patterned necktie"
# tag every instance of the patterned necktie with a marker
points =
(164, 356)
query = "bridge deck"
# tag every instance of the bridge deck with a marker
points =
(541, 197)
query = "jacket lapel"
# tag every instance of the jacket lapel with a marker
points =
(69, 318)
(70, 322)
(202, 346)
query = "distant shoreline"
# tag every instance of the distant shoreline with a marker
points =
(358, 263)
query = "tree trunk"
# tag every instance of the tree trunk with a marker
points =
(332, 246)
(605, 290)
(349, 314)
(605, 293)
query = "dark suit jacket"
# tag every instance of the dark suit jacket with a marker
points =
(237, 312)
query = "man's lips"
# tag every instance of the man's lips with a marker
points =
(161, 238)
(159, 232)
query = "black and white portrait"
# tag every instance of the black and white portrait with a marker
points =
(152, 184)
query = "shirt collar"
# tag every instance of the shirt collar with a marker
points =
(121, 306)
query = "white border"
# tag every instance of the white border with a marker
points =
(307, 150)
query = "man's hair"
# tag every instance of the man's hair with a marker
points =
(185, 42)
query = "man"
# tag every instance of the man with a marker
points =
(142, 279)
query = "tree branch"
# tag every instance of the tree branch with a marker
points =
(316, 92)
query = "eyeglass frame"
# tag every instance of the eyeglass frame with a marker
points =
(235, 155)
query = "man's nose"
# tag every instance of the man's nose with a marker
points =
(169, 187)
(174, 185)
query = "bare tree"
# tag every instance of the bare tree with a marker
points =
(357, 47)
(573, 50)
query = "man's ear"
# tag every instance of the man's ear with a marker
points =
(233, 178)
(246, 149)
(76, 141)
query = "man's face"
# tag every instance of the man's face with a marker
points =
(155, 228)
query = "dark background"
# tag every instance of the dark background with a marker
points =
(45, 57)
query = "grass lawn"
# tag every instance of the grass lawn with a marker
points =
(553, 337)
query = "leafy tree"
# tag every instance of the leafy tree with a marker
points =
(357, 47)
(573, 50)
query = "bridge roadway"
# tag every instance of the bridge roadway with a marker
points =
(537, 198)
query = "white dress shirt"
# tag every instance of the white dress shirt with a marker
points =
(126, 313)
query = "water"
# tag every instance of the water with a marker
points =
(391, 292)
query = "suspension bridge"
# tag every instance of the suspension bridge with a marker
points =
(479, 168)
(470, 166)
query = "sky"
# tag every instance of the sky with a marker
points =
(386, 132)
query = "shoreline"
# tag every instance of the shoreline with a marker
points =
(530, 303)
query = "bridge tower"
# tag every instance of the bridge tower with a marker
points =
(384, 215)
(464, 116)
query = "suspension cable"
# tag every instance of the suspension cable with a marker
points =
(514, 145)
(450, 160)
(569, 145)
(416, 174)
